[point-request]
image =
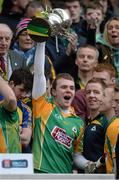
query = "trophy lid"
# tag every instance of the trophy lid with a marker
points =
(62, 13)
(39, 29)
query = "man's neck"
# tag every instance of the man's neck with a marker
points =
(110, 114)
(93, 114)
(85, 76)
(76, 21)
(62, 109)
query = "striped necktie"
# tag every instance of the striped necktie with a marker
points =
(2, 65)
(3, 68)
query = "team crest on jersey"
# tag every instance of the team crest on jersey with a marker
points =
(74, 129)
(93, 128)
(60, 135)
(58, 117)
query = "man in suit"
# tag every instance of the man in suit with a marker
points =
(9, 60)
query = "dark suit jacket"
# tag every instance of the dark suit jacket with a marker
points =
(17, 60)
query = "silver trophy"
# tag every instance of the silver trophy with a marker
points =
(54, 23)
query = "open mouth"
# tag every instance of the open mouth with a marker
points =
(67, 97)
(2, 48)
(114, 36)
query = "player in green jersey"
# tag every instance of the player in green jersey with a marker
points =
(57, 130)
(9, 126)
(112, 131)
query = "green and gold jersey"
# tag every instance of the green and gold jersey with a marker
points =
(110, 143)
(56, 137)
(9, 132)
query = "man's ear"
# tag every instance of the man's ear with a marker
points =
(76, 61)
(96, 63)
(53, 92)
(11, 83)
(113, 80)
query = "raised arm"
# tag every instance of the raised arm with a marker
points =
(39, 83)
(9, 102)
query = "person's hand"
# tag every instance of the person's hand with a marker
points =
(93, 22)
(72, 46)
(90, 167)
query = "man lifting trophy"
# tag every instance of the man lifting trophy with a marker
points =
(49, 24)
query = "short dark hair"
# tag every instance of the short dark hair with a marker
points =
(61, 76)
(22, 76)
(93, 5)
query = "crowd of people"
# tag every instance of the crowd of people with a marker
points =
(59, 97)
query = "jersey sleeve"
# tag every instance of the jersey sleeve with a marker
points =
(78, 144)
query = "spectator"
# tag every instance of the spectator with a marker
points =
(109, 46)
(107, 10)
(74, 9)
(9, 121)
(55, 143)
(24, 45)
(33, 8)
(86, 60)
(75, 12)
(10, 60)
(93, 16)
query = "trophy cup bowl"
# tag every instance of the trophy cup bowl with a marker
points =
(56, 22)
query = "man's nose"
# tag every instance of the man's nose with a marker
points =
(85, 59)
(24, 94)
(3, 41)
(91, 94)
